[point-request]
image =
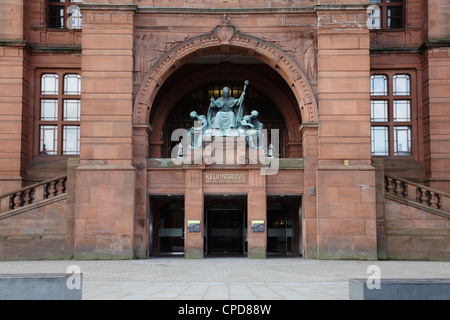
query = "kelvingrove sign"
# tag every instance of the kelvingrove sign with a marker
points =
(225, 177)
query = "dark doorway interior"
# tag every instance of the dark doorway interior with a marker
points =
(225, 225)
(168, 224)
(284, 225)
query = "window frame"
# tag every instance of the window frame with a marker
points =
(390, 123)
(59, 123)
(384, 5)
(64, 4)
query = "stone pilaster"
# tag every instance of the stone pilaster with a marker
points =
(345, 178)
(14, 88)
(256, 211)
(194, 211)
(105, 202)
(309, 209)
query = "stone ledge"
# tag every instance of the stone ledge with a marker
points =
(38, 286)
(401, 289)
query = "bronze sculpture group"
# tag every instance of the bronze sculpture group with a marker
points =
(226, 118)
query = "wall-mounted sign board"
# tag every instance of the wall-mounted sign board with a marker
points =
(193, 225)
(257, 225)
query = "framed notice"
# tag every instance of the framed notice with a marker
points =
(193, 225)
(257, 225)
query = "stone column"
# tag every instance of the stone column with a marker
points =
(256, 211)
(345, 178)
(105, 198)
(14, 88)
(193, 211)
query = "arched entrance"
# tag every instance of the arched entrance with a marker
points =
(164, 86)
(192, 86)
(225, 39)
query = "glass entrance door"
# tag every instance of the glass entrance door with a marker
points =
(225, 230)
(279, 230)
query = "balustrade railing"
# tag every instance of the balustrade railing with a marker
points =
(33, 194)
(419, 194)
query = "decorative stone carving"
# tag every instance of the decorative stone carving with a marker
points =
(225, 31)
(149, 47)
(309, 58)
(163, 67)
(301, 46)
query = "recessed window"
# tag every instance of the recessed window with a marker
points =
(64, 14)
(402, 110)
(402, 86)
(379, 110)
(71, 140)
(72, 84)
(59, 114)
(385, 14)
(374, 17)
(394, 17)
(391, 115)
(49, 109)
(71, 110)
(49, 84)
(402, 141)
(48, 140)
(378, 85)
(380, 141)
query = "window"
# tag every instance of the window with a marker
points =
(64, 14)
(391, 114)
(385, 14)
(59, 114)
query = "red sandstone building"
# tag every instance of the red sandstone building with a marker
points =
(91, 94)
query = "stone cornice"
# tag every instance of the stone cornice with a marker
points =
(37, 48)
(13, 43)
(196, 10)
(426, 45)
(340, 7)
(108, 7)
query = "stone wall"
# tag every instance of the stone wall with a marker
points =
(42, 232)
(414, 234)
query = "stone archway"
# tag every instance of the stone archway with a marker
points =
(169, 96)
(225, 38)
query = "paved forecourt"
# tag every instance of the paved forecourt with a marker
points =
(168, 278)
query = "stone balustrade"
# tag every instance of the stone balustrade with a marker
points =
(415, 193)
(33, 194)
